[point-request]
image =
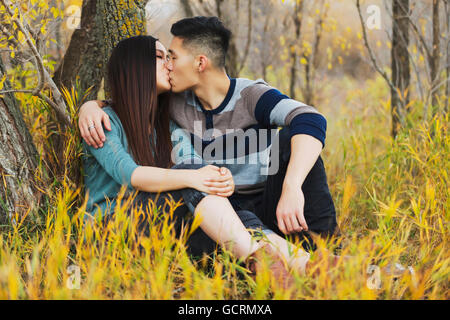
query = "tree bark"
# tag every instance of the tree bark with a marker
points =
(447, 85)
(120, 20)
(103, 24)
(265, 62)
(294, 52)
(18, 159)
(187, 8)
(434, 63)
(312, 61)
(399, 63)
(249, 37)
(82, 57)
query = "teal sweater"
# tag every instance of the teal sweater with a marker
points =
(107, 168)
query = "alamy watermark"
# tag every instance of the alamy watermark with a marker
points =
(73, 14)
(234, 146)
(373, 21)
(374, 280)
(74, 279)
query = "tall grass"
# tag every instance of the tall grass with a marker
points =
(391, 197)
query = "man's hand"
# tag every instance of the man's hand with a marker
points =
(290, 216)
(90, 121)
(290, 210)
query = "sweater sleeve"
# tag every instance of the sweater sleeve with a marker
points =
(271, 107)
(113, 157)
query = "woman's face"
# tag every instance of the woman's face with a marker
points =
(162, 73)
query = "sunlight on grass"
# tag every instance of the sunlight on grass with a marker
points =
(391, 198)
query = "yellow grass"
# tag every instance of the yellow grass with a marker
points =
(391, 198)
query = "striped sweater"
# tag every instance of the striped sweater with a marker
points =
(240, 133)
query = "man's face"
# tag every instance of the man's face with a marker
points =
(182, 67)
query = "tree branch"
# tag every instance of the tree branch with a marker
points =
(372, 57)
(43, 76)
(249, 37)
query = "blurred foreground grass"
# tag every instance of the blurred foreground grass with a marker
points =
(391, 198)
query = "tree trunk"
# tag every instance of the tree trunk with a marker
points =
(120, 20)
(18, 159)
(232, 59)
(293, 48)
(265, 62)
(447, 86)
(399, 63)
(187, 8)
(83, 57)
(312, 61)
(308, 90)
(103, 24)
(249, 37)
(434, 63)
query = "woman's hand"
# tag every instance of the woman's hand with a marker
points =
(214, 180)
(223, 185)
(90, 121)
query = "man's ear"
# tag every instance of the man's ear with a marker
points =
(202, 63)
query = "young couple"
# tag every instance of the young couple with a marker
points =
(183, 97)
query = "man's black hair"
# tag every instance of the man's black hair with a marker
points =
(207, 34)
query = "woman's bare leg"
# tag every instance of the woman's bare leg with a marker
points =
(222, 224)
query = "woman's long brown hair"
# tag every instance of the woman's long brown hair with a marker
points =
(132, 81)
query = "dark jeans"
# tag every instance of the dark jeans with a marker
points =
(199, 242)
(319, 210)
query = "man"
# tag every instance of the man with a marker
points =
(293, 198)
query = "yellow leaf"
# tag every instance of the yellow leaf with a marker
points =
(16, 13)
(20, 36)
(303, 61)
(2, 81)
(55, 12)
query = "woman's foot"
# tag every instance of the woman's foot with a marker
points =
(277, 265)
